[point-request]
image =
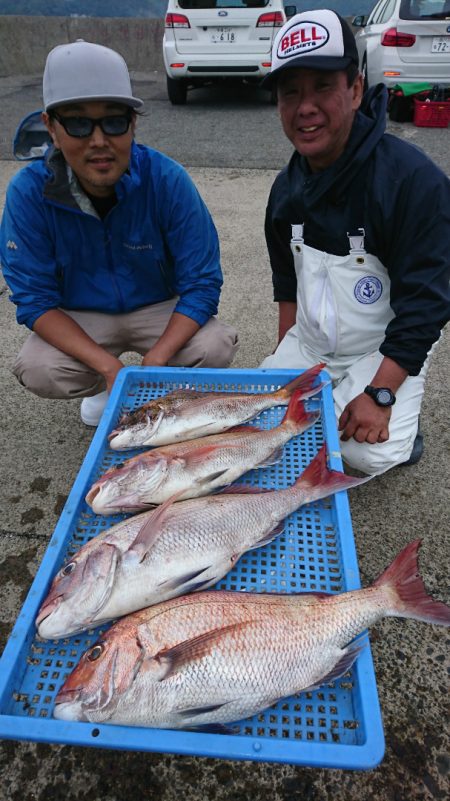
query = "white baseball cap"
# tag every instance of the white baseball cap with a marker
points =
(83, 71)
(320, 40)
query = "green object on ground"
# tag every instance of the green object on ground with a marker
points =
(412, 88)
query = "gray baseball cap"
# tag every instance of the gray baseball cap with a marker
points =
(83, 71)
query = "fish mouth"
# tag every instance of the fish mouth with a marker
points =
(67, 696)
(124, 437)
(68, 705)
(129, 433)
(116, 432)
(92, 494)
(50, 627)
(101, 504)
(48, 608)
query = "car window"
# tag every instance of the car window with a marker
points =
(424, 9)
(373, 14)
(377, 13)
(388, 10)
(198, 4)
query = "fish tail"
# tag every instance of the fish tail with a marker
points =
(407, 594)
(296, 413)
(305, 382)
(319, 481)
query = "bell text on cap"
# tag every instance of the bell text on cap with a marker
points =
(302, 37)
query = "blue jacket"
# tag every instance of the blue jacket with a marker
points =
(401, 199)
(158, 242)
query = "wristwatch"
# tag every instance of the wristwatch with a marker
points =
(381, 395)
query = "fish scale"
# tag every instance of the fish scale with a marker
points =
(215, 657)
(186, 414)
(197, 467)
(243, 671)
(179, 547)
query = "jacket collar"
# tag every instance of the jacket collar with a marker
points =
(62, 186)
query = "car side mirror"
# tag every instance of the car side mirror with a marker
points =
(290, 11)
(360, 21)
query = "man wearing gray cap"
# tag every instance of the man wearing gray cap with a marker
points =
(106, 245)
(358, 231)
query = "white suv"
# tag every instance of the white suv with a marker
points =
(405, 41)
(210, 40)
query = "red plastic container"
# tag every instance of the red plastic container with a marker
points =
(431, 114)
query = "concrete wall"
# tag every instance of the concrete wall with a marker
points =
(25, 41)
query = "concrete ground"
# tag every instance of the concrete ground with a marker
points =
(43, 446)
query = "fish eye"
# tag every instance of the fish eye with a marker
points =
(95, 653)
(68, 569)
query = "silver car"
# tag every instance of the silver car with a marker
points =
(405, 41)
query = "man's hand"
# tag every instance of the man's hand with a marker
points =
(154, 358)
(365, 421)
(362, 419)
(110, 373)
(178, 332)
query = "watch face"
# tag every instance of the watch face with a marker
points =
(384, 397)
(381, 395)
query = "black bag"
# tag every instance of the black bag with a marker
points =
(400, 108)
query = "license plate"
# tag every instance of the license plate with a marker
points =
(440, 44)
(223, 35)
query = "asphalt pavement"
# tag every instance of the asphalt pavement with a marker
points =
(232, 147)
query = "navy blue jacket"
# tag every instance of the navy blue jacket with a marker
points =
(156, 243)
(401, 199)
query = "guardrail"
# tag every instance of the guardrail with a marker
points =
(25, 41)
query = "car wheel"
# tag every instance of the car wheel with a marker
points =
(273, 96)
(364, 73)
(177, 91)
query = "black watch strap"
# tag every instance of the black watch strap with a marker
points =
(383, 396)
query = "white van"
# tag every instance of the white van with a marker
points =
(212, 40)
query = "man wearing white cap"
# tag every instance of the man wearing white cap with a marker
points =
(106, 245)
(358, 232)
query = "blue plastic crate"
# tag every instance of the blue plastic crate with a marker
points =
(337, 726)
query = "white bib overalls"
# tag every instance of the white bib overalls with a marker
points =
(343, 309)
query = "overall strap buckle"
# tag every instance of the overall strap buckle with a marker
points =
(297, 234)
(356, 241)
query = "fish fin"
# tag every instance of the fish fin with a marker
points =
(275, 457)
(242, 489)
(279, 528)
(319, 481)
(244, 429)
(303, 382)
(213, 728)
(407, 594)
(211, 477)
(200, 710)
(194, 649)
(297, 415)
(151, 528)
(202, 585)
(347, 657)
(185, 579)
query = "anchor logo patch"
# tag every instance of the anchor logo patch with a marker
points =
(368, 289)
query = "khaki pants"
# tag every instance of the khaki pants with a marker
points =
(50, 373)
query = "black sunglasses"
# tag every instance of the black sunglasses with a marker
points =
(114, 125)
